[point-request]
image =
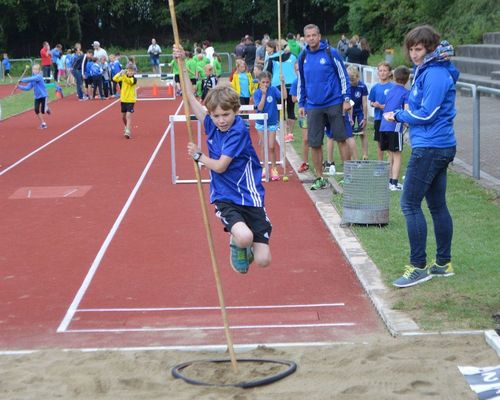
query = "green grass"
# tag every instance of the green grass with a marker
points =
(22, 101)
(470, 298)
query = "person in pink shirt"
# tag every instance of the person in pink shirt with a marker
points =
(46, 57)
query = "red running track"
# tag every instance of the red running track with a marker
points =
(151, 281)
(6, 90)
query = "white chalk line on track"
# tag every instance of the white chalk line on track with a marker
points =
(151, 309)
(4, 171)
(212, 328)
(104, 247)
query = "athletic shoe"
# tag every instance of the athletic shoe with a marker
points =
(43, 126)
(275, 176)
(303, 167)
(319, 183)
(289, 138)
(395, 188)
(441, 271)
(239, 258)
(127, 134)
(412, 276)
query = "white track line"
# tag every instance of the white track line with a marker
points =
(97, 261)
(272, 307)
(57, 138)
(211, 328)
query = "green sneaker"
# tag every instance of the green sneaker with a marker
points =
(239, 258)
(412, 276)
(319, 183)
(441, 270)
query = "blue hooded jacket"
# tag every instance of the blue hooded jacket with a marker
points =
(323, 84)
(36, 83)
(432, 104)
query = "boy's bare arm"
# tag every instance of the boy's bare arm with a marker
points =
(218, 166)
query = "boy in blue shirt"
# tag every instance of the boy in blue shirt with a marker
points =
(391, 133)
(37, 83)
(359, 94)
(96, 72)
(377, 99)
(266, 99)
(6, 67)
(235, 188)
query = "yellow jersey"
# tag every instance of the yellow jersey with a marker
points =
(127, 92)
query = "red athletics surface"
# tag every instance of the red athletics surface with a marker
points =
(6, 90)
(154, 284)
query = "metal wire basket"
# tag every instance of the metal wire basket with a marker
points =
(366, 192)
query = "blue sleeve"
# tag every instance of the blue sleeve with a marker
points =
(234, 143)
(435, 87)
(293, 88)
(373, 93)
(364, 91)
(303, 93)
(345, 83)
(25, 88)
(257, 95)
(277, 94)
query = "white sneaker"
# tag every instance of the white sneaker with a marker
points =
(395, 188)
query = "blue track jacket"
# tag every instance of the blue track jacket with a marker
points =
(432, 105)
(36, 83)
(325, 81)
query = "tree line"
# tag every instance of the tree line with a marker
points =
(25, 24)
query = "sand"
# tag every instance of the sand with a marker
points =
(380, 368)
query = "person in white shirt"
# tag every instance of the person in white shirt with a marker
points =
(154, 51)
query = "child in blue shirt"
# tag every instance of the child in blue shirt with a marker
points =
(37, 83)
(377, 99)
(391, 133)
(96, 71)
(359, 94)
(6, 67)
(87, 67)
(266, 99)
(235, 188)
(115, 67)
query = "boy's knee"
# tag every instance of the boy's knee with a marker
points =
(243, 239)
(262, 260)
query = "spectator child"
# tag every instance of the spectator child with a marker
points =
(87, 77)
(106, 77)
(359, 95)
(36, 82)
(217, 64)
(235, 188)
(377, 97)
(68, 64)
(127, 96)
(191, 66)
(175, 70)
(61, 68)
(115, 67)
(6, 67)
(209, 82)
(242, 82)
(266, 99)
(391, 132)
(96, 72)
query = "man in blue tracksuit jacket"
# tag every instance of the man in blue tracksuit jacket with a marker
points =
(325, 90)
(430, 116)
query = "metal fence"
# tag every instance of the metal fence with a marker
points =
(17, 67)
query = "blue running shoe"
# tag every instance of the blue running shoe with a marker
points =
(412, 276)
(238, 258)
(441, 270)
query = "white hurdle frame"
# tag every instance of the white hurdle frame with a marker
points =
(182, 118)
(167, 78)
(280, 138)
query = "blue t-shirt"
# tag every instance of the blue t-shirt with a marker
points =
(69, 60)
(241, 182)
(6, 64)
(273, 97)
(244, 85)
(55, 55)
(378, 93)
(396, 99)
(36, 83)
(357, 93)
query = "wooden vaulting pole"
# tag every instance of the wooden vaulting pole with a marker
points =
(206, 222)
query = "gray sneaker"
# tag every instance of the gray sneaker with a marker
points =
(441, 270)
(412, 276)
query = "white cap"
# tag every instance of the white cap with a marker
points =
(96, 44)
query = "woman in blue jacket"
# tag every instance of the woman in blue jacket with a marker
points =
(430, 117)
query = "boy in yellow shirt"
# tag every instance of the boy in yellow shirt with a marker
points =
(127, 95)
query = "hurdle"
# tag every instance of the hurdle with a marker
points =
(182, 118)
(280, 137)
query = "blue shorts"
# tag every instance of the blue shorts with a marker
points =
(347, 125)
(270, 127)
(358, 120)
(155, 60)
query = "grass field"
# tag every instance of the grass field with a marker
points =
(470, 298)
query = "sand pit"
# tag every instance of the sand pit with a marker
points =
(380, 368)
